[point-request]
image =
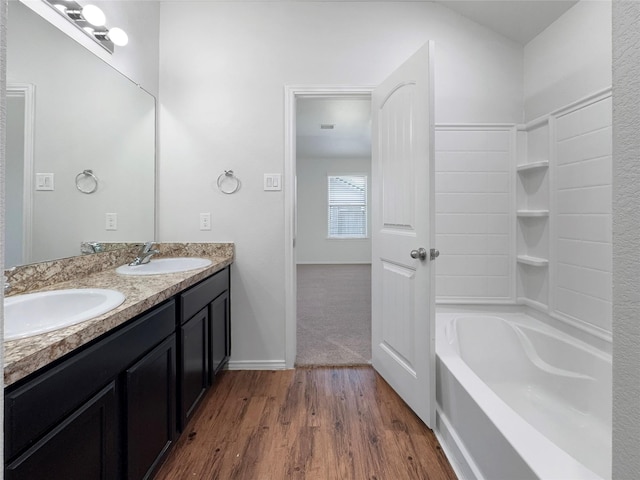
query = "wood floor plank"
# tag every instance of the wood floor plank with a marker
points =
(306, 424)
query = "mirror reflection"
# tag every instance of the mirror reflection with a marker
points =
(69, 113)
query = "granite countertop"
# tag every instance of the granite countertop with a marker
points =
(26, 355)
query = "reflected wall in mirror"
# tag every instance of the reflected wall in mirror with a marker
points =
(68, 112)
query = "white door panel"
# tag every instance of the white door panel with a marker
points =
(403, 347)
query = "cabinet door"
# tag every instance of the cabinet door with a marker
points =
(150, 416)
(194, 364)
(220, 333)
(43, 401)
(82, 447)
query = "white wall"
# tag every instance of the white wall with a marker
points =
(312, 244)
(626, 240)
(569, 60)
(474, 203)
(223, 66)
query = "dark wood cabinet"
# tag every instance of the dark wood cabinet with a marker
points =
(194, 364)
(220, 336)
(75, 418)
(150, 416)
(36, 404)
(113, 408)
(205, 339)
(82, 447)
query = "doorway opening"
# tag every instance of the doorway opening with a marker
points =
(333, 244)
(402, 230)
(19, 173)
(328, 271)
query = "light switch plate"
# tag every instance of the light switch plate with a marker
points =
(111, 221)
(44, 181)
(205, 221)
(272, 181)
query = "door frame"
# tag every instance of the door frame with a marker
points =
(26, 91)
(291, 93)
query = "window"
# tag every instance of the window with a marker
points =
(347, 206)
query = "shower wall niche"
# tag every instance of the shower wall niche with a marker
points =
(532, 212)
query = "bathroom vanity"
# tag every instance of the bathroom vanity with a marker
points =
(112, 407)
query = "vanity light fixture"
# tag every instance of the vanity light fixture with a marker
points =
(94, 15)
(91, 20)
(118, 36)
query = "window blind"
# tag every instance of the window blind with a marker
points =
(347, 206)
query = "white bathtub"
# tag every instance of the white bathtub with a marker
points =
(518, 399)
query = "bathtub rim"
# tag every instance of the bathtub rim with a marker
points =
(526, 322)
(542, 456)
(577, 330)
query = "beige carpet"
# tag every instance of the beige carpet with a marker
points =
(334, 315)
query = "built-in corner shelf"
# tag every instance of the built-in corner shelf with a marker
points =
(533, 261)
(533, 172)
(527, 167)
(532, 213)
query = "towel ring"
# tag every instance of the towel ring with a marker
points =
(92, 179)
(228, 183)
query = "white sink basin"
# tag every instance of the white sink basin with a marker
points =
(36, 313)
(160, 266)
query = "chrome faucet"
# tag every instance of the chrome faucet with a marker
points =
(145, 254)
(91, 247)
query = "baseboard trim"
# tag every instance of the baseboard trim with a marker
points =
(368, 262)
(256, 365)
(474, 301)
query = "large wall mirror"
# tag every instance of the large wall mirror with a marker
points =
(68, 113)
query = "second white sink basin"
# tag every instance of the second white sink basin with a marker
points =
(160, 266)
(36, 313)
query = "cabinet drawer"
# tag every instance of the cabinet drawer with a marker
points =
(34, 407)
(199, 296)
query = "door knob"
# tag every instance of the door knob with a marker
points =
(435, 253)
(420, 253)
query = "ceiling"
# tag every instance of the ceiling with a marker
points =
(349, 138)
(519, 20)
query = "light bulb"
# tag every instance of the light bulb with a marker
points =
(93, 15)
(118, 36)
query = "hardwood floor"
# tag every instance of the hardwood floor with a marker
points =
(308, 423)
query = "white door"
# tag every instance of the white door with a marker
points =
(403, 314)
